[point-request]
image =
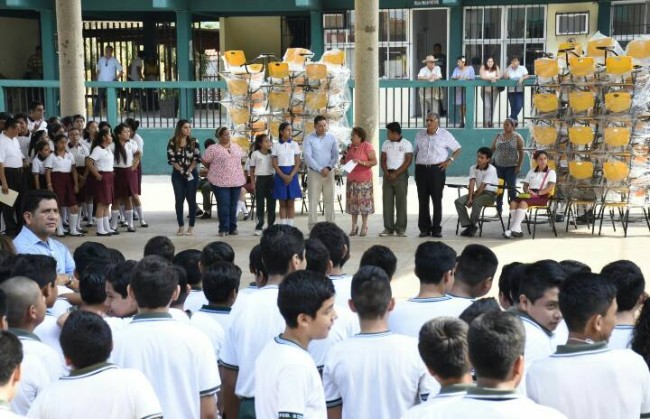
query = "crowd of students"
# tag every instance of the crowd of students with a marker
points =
(94, 170)
(175, 334)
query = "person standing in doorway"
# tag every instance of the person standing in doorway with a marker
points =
(429, 96)
(321, 153)
(435, 150)
(108, 69)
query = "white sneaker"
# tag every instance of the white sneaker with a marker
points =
(257, 233)
(507, 234)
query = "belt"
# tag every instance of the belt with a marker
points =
(430, 165)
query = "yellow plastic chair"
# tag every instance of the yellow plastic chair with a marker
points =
(581, 170)
(296, 56)
(315, 100)
(569, 47)
(274, 128)
(638, 49)
(278, 70)
(239, 116)
(616, 174)
(581, 136)
(237, 87)
(618, 101)
(234, 58)
(548, 211)
(547, 68)
(580, 175)
(334, 57)
(544, 135)
(615, 171)
(595, 47)
(545, 102)
(316, 71)
(616, 136)
(581, 101)
(243, 142)
(481, 220)
(278, 101)
(581, 66)
(618, 66)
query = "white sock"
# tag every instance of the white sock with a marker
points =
(107, 224)
(289, 221)
(519, 216)
(59, 226)
(282, 221)
(138, 210)
(74, 220)
(64, 214)
(100, 226)
(129, 217)
(90, 207)
(79, 217)
(122, 212)
(114, 215)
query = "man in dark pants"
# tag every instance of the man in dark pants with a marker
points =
(435, 150)
(11, 175)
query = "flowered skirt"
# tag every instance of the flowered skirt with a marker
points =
(359, 198)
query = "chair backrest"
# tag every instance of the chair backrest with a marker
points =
(236, 86)
(334, 57)
(638, 49)
(278, 100)
(243, 142)
(274, 128)
(594, 47)
(234, 58)
(571, 47)
(296, 56)
(581, 101)
(581, 170)
(618, 101)
(581, 66)
(581, 135)
(617, 136)
(315, 100)
(544, 135)
(500, 188)
(618, 65)
(278, 70)
(239, 116)
(546, 67)
(545, 102)
(316, 71)
(615, 171)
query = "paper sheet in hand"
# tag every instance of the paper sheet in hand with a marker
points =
(349, 166)
(10, 198)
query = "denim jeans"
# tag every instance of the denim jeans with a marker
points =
(516, 100)
(227, 207)
(510, 177)
(185, 190)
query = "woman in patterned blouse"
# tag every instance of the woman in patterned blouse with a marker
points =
(183, 155)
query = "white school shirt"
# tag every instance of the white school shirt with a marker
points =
(262, 163)
(345, 326)
(24, 145)
(179, 315)
(539, 345)
(38, 165)
(396, 152)
(409, 316)
(592, 382)
(33, 380)
(53, 363)
(31, 124)
(621, 337)
(79, 152)
(6, 413)
(139, 141)
(560, 335)
(285, 152)
(219, 314)
(11, 156)
(376, 375)
(447, 395)
(343, 288)
(49, 332)
(488, 176)
(534, 179)
(107, 68)
(211, 328)
(287, 383)
(177, 359)
(494, 404)
(103, 158)
(100, 391)
(131, 149)
(254, 323)
(60, 164)
(194, 301)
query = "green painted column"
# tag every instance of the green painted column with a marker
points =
(185, 62)
(605, 17)
(317, 40)
(50, 59)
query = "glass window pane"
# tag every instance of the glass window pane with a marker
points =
(383, 25)
(398, 25)
(492, 28)
(473, 53)
(473, 23)
(392, 62)
(532, 53)
(333, 20)
(516, 22)
(535, 22)
(492, 51)
(514, 50)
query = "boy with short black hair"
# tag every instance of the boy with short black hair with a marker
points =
(496, 351)
(443, 348)
(482, 191)
(92, 288)
(362, 372)
(334, 238)
(475, 270)
(506, 279)
(434, 267)
(87, 343)
(11, 356)
(585, 378)
(118, 301)
(189, 260)
(381, 256)
(396, 158)
(287, 383)
(161, 246)
(184, 375)
(317, 256)
(628, 279)
(257, 268)
(216, 251)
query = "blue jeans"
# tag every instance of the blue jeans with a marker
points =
(185, 190)
(516, 100)
(510, 177)
(227, 199)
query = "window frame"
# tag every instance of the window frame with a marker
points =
(646, 20)
(559, 15)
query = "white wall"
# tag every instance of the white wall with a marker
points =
(553, 41)
(19, 39)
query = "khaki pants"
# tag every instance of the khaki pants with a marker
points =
(317, 185)
(486, 198)
(394, 200)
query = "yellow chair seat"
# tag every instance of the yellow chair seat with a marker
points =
(278, 100)
(544, 135)
(581, 170)
(617, 136)
(638, 49)
(239, 116)
(581, 135)
(618, 65)
(618, 101)
(315, 100)
(546, 67)
(581, 101)
(334, 57)
(593, 47)
(316, 71)
(615, 171)
(234, 58)
(545, 102)
(581, 66)
(237, 87)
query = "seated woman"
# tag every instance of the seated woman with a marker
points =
(539, 182)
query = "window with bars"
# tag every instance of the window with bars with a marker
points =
(503, 32)
(630, 20)
(572, 23)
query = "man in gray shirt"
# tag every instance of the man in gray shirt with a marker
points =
(321, 153)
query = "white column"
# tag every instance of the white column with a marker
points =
(71, 57)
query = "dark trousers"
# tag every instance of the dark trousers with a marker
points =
(430, 181)
(16, 181)
(264, 194)
(185, 190)
(510, 178)
(516, 100)
(99, 101)
(227, 207)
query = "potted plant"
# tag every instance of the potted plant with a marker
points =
(168, 103)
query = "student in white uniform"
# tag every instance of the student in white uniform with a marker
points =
(337, 243)
(127, 159)
(101, 390)
(496, 351)
(434, 267)
(474, 274)
(92, 289)
(100, 166)
(262, 177)
(189, 260)
(119, 303)
(39, 162)
(628, 279)
(287, 383)
(585, 378)
(212, 253)
(377, 373)
(137, 202)
(184, 375)
(443, 348)
(62, 176)
(381, 256)
(11, 356)
(80, 153)
(257, 321)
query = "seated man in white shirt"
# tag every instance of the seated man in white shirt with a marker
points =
(628, 279)
(287, 382)
(11, 355)
(585, 378)
(443, 348)
(482, 191)
(100, 389)
(496, 351)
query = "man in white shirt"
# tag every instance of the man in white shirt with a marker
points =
(100, 389)
(287, 383)
(628, 279)
(430, 96)
(184, 375)
(134, 74)
(482, 191)
(108, 69)
(585, 378)
(396, 158)
(375, 374)
(11, 356)
(12, 163)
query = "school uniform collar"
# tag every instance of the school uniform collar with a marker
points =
(339, 276)
(23, 334)
(279, 339)
(583, 348)
(443, 297)
(90, 370)
(526, 318)
(624, 326)
(458, 296)
(373, 335)
(483, 170)
(207, 308)
(285, 141)
(455, 389)
(152, 317)
(484, 393)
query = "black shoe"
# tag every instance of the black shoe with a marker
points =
(436, 232)
(78, 234)
(206, 215)
(469, 231)
(114, 233)
(423, 234)
(199, 212)
(104, 234)
(130, 229)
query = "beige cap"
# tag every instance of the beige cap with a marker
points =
(429, 59)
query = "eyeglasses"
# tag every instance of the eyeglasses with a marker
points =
(431, 120)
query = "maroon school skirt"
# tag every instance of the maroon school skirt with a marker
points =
(103, 189)
(536, 201)
(126, 182)
(81, 196)
(63, 186)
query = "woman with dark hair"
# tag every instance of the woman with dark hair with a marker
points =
(100, 166)
(90, 132)
(285, 157)
(462, 72)
(538, 184)
(358, 189)
(225, 173)
(127, 157)
(183, 155)
(507, 156)
(491, 72)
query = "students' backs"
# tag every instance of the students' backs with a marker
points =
(409, 316)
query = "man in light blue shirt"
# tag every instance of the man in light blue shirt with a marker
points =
(321, 153)
(41, 215)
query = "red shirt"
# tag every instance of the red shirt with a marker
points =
(361, 154)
